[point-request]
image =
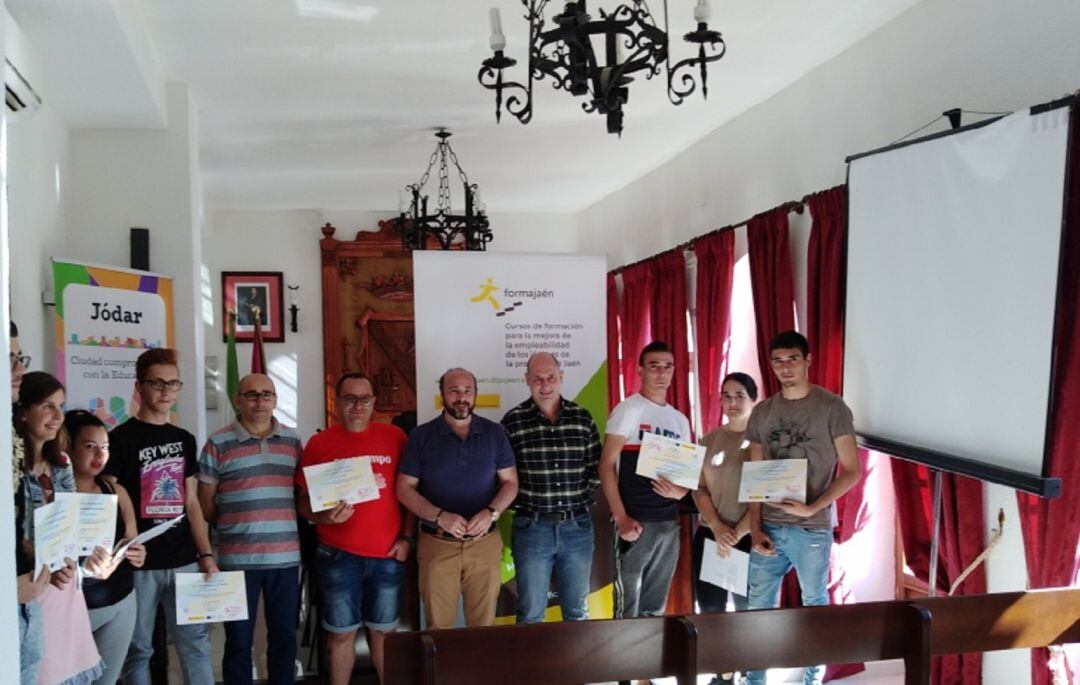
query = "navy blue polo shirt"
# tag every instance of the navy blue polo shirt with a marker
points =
(458, 476)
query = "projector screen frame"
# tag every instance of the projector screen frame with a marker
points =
(1045, 485)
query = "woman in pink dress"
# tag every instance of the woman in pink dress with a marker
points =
(70, 658)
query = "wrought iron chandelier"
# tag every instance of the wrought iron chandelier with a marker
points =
(468, 231)
(627, 41)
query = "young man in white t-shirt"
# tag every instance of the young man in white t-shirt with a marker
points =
(645, 511)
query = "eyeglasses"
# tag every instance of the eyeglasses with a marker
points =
(362, 400)
(17, 359)
(159, 385)
(265, 395)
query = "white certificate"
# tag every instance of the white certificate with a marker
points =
(222, 598)
(148, 535)
(97, 520)
(56, 533)
(679, 462)
(345, 480)
(773, 480)
(730, 572)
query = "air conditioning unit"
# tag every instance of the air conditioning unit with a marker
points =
(19, 95)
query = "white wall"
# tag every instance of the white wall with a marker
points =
(37, 162)
(9, 627)
(125, 178)
(994, 55)
(288, 241)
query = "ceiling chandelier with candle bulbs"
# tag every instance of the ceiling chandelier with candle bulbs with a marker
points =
(597, 57)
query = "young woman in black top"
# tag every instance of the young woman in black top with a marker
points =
(107, 586)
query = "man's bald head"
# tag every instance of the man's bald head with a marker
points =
(544, 378)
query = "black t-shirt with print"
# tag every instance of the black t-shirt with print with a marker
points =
(152, 462)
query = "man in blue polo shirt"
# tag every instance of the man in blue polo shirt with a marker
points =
(457, 475)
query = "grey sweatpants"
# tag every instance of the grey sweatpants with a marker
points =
(643, 569)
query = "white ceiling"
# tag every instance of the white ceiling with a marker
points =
(331, 104)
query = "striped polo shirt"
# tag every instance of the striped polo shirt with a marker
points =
(256, 512)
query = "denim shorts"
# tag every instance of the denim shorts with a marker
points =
(357, 590)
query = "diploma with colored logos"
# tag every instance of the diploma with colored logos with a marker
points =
(56, 533)
(773, 480)
(678, 462)
(222, 598)
(344, 480)
(730, 572)
(97, 520)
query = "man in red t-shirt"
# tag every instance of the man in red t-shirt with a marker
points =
(362, 546)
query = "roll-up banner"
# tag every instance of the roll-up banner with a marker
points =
(105, 318)
(489, 312)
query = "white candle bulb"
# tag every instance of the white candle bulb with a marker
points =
(498, 40)
(402, 202)
(702, 12)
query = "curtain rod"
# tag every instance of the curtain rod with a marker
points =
(796, 206)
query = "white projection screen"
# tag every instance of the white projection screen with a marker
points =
(952, 284)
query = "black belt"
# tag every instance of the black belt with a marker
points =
(443, 535)
(551, 516)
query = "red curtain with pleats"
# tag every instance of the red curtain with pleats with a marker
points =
(825, 300)
(1051, 527)
(962, 539)
(614, 371)
(825, 287)
(668, 321)
(635, 311)
(715, 273)
(772, 285)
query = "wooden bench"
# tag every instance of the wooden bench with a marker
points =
(683, 646)
(541, 653)
(778, 638)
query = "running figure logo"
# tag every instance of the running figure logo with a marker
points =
(487, 294)
(487, 288)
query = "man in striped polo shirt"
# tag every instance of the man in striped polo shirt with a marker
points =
(557, 447)
(246, 474)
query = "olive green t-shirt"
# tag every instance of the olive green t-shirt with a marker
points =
(725, 453)
(805, 428)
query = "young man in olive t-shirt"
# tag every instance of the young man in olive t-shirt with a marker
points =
(802, 421)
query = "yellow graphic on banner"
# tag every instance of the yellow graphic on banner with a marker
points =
(487, 288)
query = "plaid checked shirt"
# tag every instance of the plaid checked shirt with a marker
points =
(557, 462)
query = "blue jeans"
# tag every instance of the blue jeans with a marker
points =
(31, 642)
(280, 588)
(807, 551)
(357, 590)
(192, 641)
(541, 546)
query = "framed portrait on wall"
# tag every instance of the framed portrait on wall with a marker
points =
(248, 292)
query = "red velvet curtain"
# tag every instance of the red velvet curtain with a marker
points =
(639, 283)
(962, 539)
(669, 321)
(826, 278)
(772, 284)
(715, 272)
(825, 287)
(614, 372)
(1051, 527)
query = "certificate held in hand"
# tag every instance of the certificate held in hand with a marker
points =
(731, 572)
(773, 480)
(222, 598)
(348, 481)
(678, 462)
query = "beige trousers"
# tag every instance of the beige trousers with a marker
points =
(470, 568)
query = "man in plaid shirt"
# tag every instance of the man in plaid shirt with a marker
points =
(557, 447)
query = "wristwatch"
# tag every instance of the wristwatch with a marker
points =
(494, 512)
